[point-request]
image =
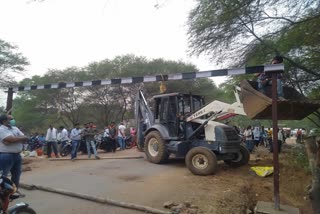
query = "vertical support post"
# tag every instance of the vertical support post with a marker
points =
(275, 142)
(9, 101)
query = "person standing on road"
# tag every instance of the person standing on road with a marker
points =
(269, 136)
(75, 136)
(106, 133)
(248, 135)
(121, 136)
(113, 136)
(263, 136)
(256, 136)
(11, 140)
(51, 139)
(89, 133)
(280, 139)
(299, 136)
(64, 136)
(133, 134)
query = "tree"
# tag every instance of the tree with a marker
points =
(313, 150)
(251, 32)
(235, 29)
(103, 104)
(11, 62)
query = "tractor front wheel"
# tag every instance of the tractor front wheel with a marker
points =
(201, 161)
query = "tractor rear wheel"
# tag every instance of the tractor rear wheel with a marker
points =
(201, 161)
(155, 148)
(242, 158)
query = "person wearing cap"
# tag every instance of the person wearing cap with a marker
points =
(11, 140)
(264, 79)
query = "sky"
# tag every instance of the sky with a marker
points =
(56, 34)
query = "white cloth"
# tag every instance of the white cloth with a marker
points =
(51, 135)
(256, 133)
(12, 147)
(75, 134)
(64, 135)
(280, 136)
(248, 134)
(106, 133)
(59, 136)
(121, 131)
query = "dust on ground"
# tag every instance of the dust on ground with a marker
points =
(230, 190)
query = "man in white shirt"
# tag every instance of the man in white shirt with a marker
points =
(63, 136)
(248, 135)
(51, 139)
(11, 140)
(121, 136)
(106, 132)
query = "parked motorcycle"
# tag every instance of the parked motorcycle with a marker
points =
(128, 142)
(106, 144)
(33, 144)
(66, 149)
(7, 194)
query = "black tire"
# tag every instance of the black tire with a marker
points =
(23, 210)
(155, 148)
(65, 151)
(128, 143)
(208, 165)
(242, 158)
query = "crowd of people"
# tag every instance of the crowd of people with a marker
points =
(13, 141)
(54, 140)
(58, 138)
(253, 137)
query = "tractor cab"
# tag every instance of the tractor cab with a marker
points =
(171, 109)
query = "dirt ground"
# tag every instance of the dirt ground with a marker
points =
(230, 190)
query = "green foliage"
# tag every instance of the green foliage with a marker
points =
(26, 114)
(11, 62)
(235, 29)
(2, 110)
(241, 32)
(298, 158)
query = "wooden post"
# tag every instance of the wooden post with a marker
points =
(9, 101)
(275, 143)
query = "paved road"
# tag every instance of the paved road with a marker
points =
(50, 203)
(133, 180)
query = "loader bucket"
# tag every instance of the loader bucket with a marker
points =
(259, 106)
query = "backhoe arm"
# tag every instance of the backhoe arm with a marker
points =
(221, 109)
